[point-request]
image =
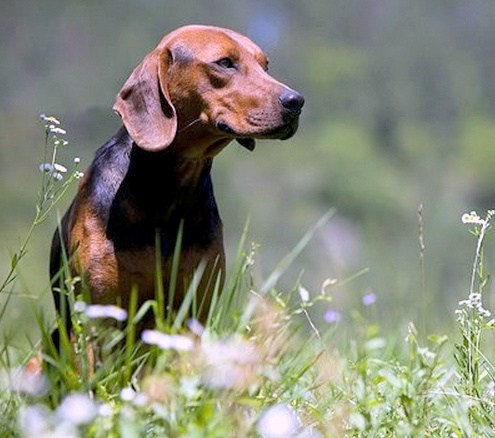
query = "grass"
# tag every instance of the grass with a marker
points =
(261, 365)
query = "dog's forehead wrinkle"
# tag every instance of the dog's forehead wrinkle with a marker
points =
(213, 50)
(211, 44)
(181, 54)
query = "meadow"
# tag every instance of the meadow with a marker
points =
(261, 365)
(358, 292)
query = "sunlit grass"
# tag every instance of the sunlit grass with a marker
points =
(266, 362)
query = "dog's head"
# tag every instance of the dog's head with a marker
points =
(202, 87)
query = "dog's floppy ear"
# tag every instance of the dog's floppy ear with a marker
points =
(144, 103)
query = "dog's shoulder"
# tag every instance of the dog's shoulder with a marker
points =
(108, 169)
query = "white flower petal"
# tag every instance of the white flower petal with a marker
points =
(46, 167)
(278, 421)
(106, 311)
(304, 294)
(127, 394)
(80, 306)
(55, 130)
(77, 409)
(34, 420)
(166, 342)
(196, 327)
(105, 410)
(60, 168)
(20, 380)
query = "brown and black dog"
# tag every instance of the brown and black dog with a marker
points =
(198, 90)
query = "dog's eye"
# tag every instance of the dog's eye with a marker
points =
(225, 63)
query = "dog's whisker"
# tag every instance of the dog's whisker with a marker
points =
(189, 125)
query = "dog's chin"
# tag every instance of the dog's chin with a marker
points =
(248, 141)
(286, 131)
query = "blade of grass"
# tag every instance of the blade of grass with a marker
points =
(214, 300)
(159, 290)
(130, 335)
(189, 297)
(174, 272)
(284, 264)
(223, 307)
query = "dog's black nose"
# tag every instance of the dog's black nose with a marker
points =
(292, 101)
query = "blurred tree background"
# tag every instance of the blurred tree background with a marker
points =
(400, 109)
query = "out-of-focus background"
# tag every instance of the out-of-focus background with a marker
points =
(400, 111)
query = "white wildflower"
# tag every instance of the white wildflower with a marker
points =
(78, 175)
(141, 400)
(77, 160)
(105, 410)
(278, 421)
(230, 363)
(106, 311)
(77, 409)
(37, 421)
(127, 394)
(59, 168)
(80, 306)
(472, 218)
(167, 342)
(56, 130)
(137, 398)
(189, 386)
(46, 167)
(21, 380)
(195, 326)
(427, 354)
(473, 303)
(49, 120)
(358, 421)
(54, 170)
(34, 420)
(304, 294)
(490, 389)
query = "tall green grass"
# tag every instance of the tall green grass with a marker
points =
(263, 364)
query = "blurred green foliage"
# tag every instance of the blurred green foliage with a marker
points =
(400, 112)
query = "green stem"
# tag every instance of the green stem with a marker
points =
(49, 196)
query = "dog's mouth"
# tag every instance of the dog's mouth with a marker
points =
(283, 132)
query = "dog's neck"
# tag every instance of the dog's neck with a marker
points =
(167, 169)
(198, 143)
(159, 191)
